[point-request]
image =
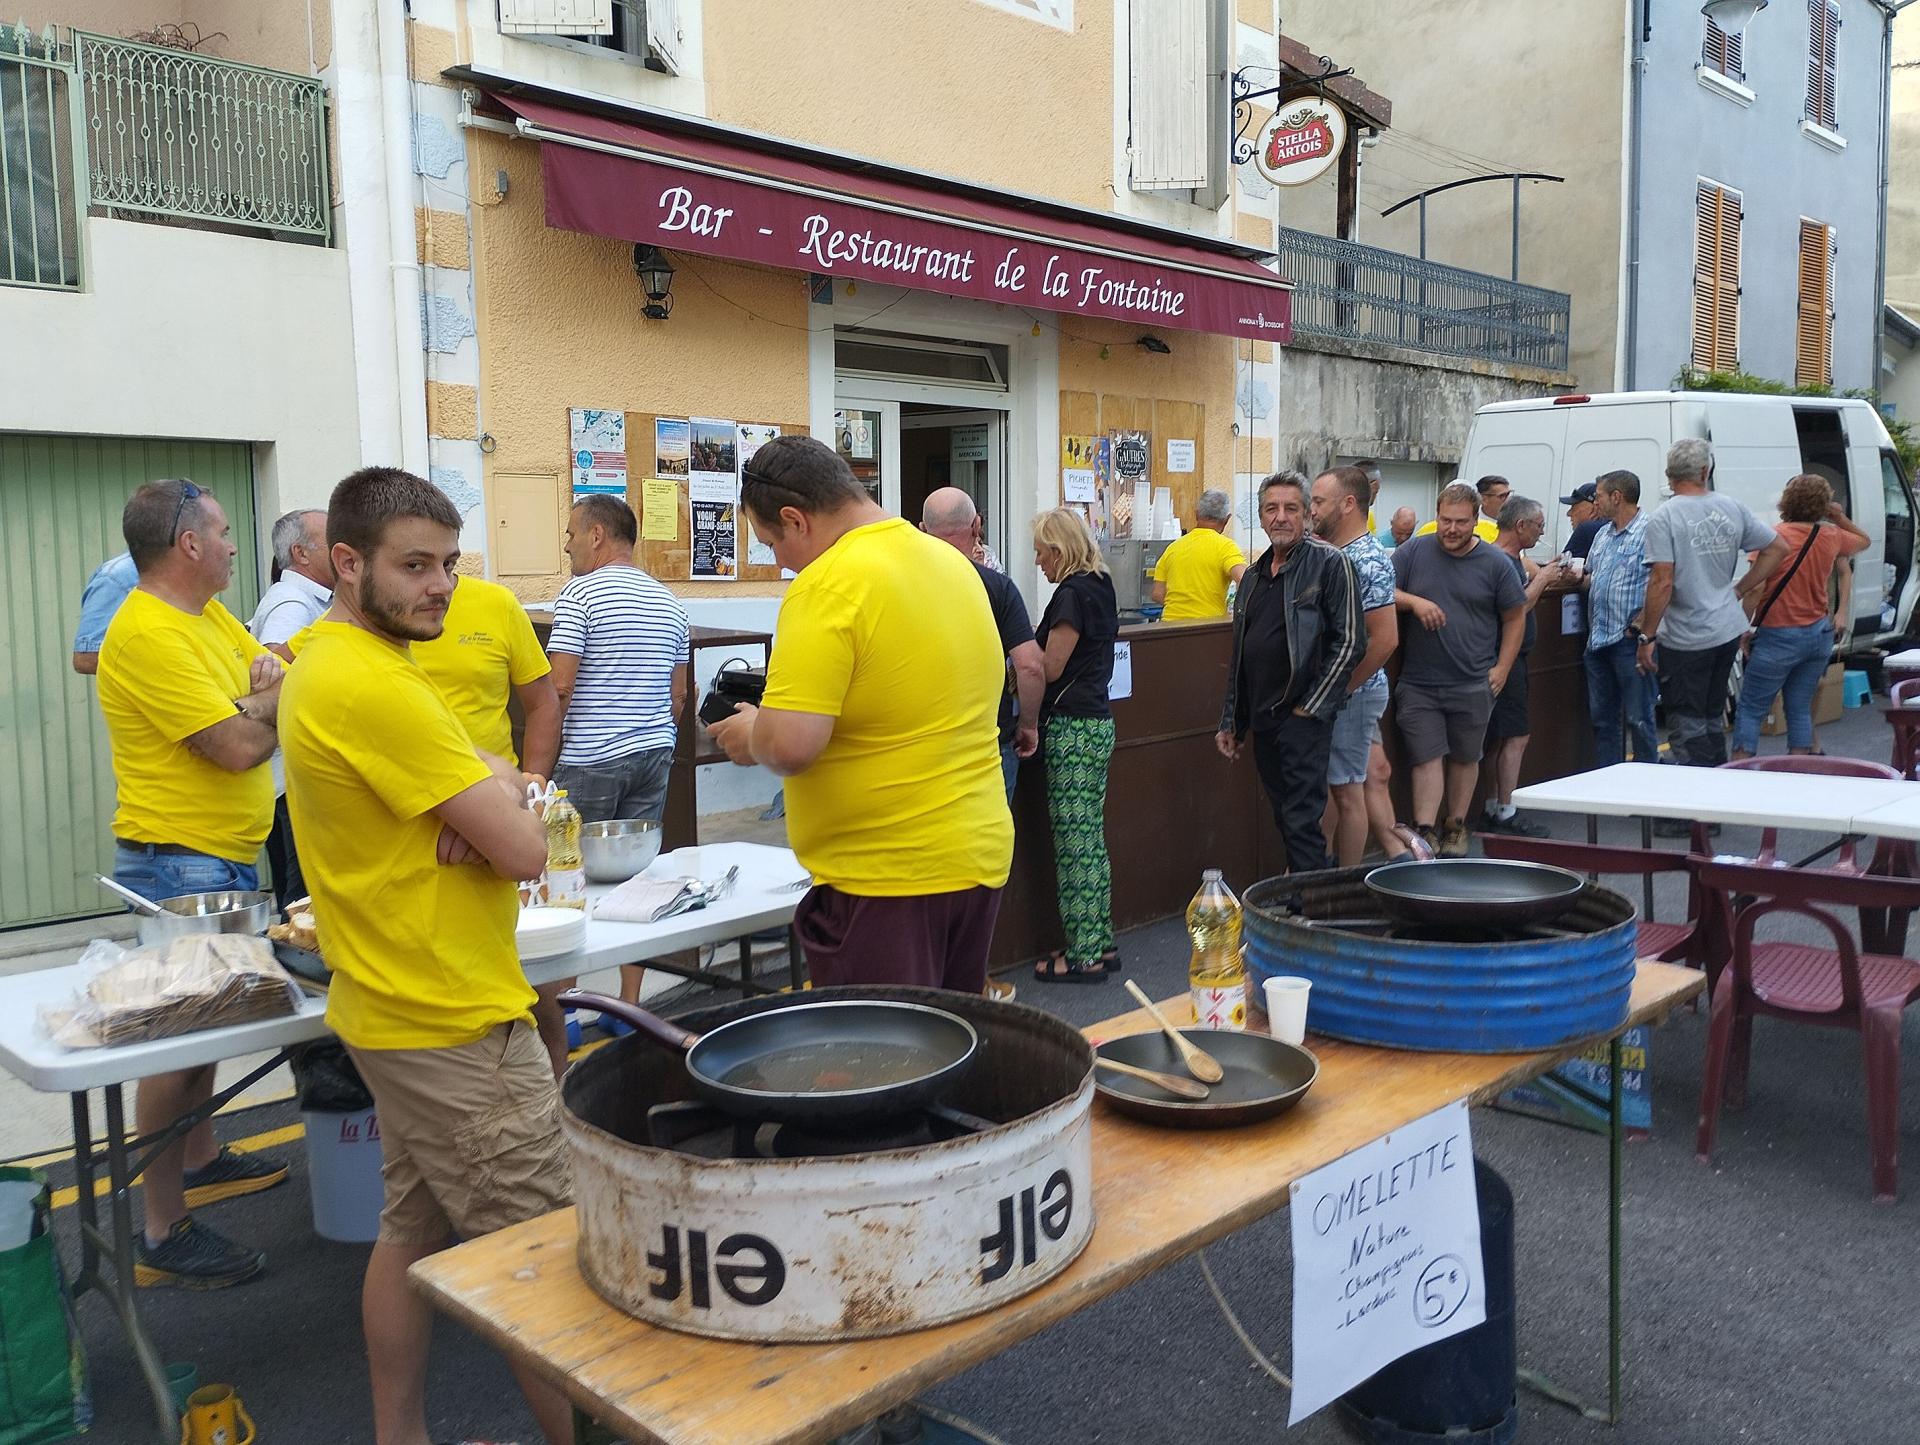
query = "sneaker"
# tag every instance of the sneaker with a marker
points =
(1429, 835)
(193, 1256)
(228, 1175)
(1514, 827)
(999, 990)
(1453, 838)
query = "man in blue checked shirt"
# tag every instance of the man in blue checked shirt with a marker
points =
(106, 589)
(1616, 585)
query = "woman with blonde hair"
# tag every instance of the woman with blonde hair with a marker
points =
(1795, 623)
(1076, 636)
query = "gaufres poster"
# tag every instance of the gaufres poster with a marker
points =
(1132, 457)
(752, 437)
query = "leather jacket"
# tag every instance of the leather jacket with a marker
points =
(1326, 634)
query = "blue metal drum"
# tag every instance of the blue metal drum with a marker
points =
(1464, 989)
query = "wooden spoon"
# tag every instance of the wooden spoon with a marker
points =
(1172, 1083)
(1201, 1064)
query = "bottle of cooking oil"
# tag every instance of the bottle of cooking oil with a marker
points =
(566, 871)
(1217, 974)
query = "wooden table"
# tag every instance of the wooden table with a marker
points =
(1158, 1195)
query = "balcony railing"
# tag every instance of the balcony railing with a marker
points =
(41, 178)
(1362, 293)
(172, 133)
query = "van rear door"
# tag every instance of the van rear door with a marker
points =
(1630, 437)
(1756, 448)
(1894, 596)
(1525, 447)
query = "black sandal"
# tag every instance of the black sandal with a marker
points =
(1056, 967)
(1110, 962)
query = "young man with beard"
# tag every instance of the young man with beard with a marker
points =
(1297, 633)
(412, 842)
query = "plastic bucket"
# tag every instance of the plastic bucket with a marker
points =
(343, 1170)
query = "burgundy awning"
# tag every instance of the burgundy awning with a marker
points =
(689, 192)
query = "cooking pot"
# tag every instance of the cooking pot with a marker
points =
(830, 1064)
(227, 911)
(615, 850)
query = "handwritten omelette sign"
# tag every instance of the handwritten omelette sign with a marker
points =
(1386, 1256)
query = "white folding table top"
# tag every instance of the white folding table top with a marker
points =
(757, 902)
(1891, 820)
(1910, 659)
(1720, 795)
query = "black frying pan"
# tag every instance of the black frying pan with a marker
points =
(816, 1064)
(1263, 1077)
(1474, 891)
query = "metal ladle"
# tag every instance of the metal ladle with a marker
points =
(141, 903)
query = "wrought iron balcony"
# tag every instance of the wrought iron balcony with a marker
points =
(1361, 293)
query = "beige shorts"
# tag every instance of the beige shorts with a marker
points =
(469, 1136)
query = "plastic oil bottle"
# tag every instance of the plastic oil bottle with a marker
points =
(567, 871)
(1216, 973)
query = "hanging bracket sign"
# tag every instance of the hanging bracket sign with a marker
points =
(1301, 140)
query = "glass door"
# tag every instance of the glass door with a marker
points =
(964, 449)
(866, 433)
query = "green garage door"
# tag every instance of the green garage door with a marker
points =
(61, 498)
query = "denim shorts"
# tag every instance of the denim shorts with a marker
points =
(168, 875)
(1356, 728)
(631, 787)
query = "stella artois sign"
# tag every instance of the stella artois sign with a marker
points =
(1301, 140)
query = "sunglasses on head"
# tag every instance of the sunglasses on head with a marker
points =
(188, 493)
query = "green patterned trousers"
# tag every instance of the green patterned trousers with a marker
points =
(1078, 751)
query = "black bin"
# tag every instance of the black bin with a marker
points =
(1461, 1389)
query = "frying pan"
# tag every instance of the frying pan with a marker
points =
(1474, 891)
(832, 1064)
(1263, 1077)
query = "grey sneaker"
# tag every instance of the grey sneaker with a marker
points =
(193, 1256)
(1453, 838)
(230, 1174)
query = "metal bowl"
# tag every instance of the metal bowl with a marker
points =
(228, 911)
(614, 851)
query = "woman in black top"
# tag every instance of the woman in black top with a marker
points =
(1076, 641)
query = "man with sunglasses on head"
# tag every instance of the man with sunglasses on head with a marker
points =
(190, 701)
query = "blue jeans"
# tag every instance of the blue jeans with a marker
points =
(168, 875)
(1615, 686)
(1009, 768)
(1786, 662)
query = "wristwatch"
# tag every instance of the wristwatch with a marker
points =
(1636, 634)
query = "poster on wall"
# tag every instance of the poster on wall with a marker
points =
(1085, 471)
(713, 450)
(660, 510)
(753, 436)
(670, 446)
(710, 504)
(598, 441)
(1132, 491)
(1180, 454)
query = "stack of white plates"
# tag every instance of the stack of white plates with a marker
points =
(550, 932)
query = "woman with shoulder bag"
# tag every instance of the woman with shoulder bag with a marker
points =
(1076, 636)
(1795, 628)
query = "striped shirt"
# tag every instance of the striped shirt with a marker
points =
(629, 633)
(1617, 569)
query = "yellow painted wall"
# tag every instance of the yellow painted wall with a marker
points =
(275, 33)
(1199, 370)
(559, 325)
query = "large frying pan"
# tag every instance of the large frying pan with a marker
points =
(1263, 1077)
(1474, 891)
(822, 1065)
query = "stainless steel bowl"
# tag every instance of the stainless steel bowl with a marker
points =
(614, 851)
(229, 911)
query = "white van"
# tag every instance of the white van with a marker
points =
(1549, 446)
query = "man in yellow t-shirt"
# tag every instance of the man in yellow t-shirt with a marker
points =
(882, 712)
(1494, 492)
(190, 701)
(487, 655)
(1194, 573)
(412, 842)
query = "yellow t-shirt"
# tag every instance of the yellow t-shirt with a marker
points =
(164, 675)
(1484, 527)
(1196, 570)
(422, 953)
(889, 633)
(487, 650)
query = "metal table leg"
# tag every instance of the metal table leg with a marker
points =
(1646, 880)
(119, 1251)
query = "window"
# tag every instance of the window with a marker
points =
(1813, 328)
(648, 30)
(1170, 42)
(1823, 44)
(1716, 279)
(1723, 53)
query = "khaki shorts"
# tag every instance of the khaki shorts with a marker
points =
(469, 1136)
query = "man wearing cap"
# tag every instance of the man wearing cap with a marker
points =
(1583, 515)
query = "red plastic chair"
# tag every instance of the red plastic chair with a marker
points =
(1838, 987)
(1669, 942)
(1906, 732)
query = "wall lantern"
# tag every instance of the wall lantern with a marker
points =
(655, 271)
(1732, 15)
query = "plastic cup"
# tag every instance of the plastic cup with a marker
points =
(182, 1380)
(1287, 1008)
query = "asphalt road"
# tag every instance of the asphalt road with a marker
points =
(1767, 1298)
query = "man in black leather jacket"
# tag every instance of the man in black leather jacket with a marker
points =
(1297, 633)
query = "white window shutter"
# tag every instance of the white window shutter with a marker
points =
(556, 17)
(1171, 82)
(664, 38)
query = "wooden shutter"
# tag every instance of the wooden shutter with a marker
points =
(1723, 52)
(1813, 331)
(1170, 86)
(1716, 280)
(556, 17)
(665, 38)
(1823, 45)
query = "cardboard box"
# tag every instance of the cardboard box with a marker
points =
(1826, 705)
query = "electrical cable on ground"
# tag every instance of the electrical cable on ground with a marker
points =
(1233, 1320)
(943, 1417)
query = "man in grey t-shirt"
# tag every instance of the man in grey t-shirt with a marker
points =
(1694, 610)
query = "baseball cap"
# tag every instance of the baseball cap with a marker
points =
(1585, 492)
